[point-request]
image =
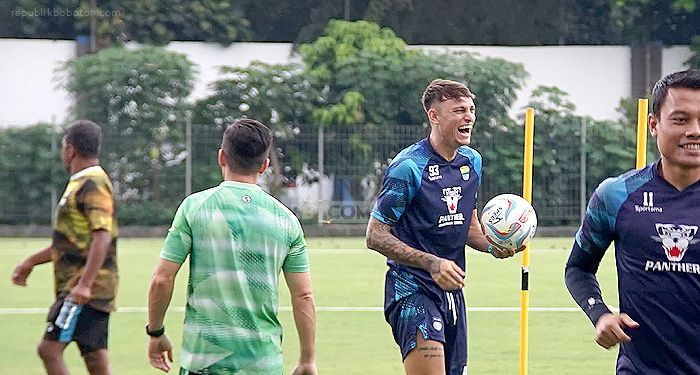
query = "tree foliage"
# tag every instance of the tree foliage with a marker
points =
(145, 21)
(648, 20)
(358, 83)
(493, 22)
(278, 95)
(138, 97)
(342, 87)
(29, 172)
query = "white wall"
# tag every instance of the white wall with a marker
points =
(29, 91)
(596, 77)
(673, 59)
(210, 57)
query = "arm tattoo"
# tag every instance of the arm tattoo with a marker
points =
(431, 351)
(380, 239)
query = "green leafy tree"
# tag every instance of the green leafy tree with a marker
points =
(146, 21)
(159, 22)
(138, 97)
(647, 20)
(330, 63)
(354, 63)
(418, 22)
(342, 87)
(610, 151)
(557, 153)
(278, 95)
(29, 170)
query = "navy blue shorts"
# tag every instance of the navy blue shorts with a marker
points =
(441, 319)
(89, 332)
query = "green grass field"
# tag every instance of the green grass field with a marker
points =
(345, 274)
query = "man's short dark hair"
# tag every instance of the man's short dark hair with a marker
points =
(246, 145)
(689, 79)
(85, 136)
(442, 90)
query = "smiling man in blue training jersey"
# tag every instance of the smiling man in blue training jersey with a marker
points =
(653, 216)
(423, 217)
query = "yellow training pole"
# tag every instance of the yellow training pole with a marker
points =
(527, 194)
(642, 114)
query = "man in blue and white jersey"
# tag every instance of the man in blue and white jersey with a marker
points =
(421, 221)
(652, 215)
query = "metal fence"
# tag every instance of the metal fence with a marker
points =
(325, 175)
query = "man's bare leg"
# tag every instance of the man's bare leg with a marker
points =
(427, 358)
(51, 353)
(97, 362)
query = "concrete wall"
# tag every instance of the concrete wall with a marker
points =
(596, 77)
(674, 58)
(210, 57)
(29, 91)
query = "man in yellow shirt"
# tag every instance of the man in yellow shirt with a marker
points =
(83, 252)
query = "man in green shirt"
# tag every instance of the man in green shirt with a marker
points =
(238, 239)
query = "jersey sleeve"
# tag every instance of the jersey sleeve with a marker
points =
(401, 183)
(96, 202)
(592, 240)
(297, 259)
(178, 242)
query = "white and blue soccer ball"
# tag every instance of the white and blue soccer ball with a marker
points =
(509, 221)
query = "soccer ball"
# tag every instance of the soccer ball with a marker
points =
(508, 221)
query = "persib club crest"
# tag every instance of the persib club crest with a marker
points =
(464, 171)
(675, 239)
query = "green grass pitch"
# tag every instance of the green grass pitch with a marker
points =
(345, 274)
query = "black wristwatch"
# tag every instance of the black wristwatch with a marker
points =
(156, 333)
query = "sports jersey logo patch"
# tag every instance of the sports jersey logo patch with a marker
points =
(434, 172)
(437, 324)
(451, 197)
(648, 204)
(675, 239)
(464, 170)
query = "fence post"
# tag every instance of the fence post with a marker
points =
(188, 148)
(582, 170)
(319, 205)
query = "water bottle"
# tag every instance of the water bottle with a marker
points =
(69, 312)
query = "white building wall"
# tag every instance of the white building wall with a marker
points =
(673, 59)
(596, 77)
(29, 91)
(210, 57)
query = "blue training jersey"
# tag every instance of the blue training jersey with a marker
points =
(657, 252)
(429, 201)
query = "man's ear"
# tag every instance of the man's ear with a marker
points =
(433, 116)
(70, 151)
(653, 125)
(264, 166)
(221, 158)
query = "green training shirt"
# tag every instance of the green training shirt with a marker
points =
(238, 239)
